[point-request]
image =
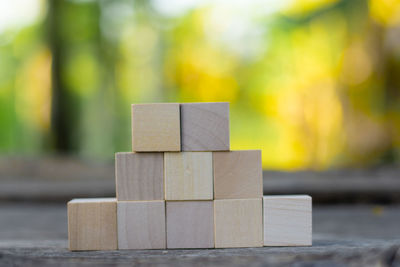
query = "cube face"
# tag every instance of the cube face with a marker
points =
(205, 126)
(92, 224)
(141, 225)
(287, 220)
(237, 174)
(238, 223)
(156, 127)
(188, 176)
(139, 176)
(190, 224)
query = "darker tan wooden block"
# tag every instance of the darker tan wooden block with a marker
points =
(156, 127)
(139, 176)
(190, 224)
(237, 174)
(92, 224)
(141, 225)
(205, 126)
(238, 223)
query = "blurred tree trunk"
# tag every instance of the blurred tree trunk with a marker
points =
(59, 114)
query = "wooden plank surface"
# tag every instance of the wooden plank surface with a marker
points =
(141, 225)
(325, 252)
(287, 220)
(156, 127)
(205, 126)
(35, 234)
(238, 223)
(237, 174)
(190, 224)
(92, 224)
(188, 176)
(139, 176)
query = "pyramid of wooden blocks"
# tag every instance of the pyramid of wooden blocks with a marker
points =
(182, 187)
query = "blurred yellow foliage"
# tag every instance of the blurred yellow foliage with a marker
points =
(301, 7)
(357, 65)
(33, 90)
(314, 85)
(86, 81)
(201, 69)
(386, 12)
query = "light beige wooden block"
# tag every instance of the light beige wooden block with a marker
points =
(92, 224)
(156, 127)
(190, 224)
(141, 225)
(287, 220)
(238, 223)
(139, 176)
(205, 126)
(237, 174)
(188, 176)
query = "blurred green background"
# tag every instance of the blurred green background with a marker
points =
(314, 83)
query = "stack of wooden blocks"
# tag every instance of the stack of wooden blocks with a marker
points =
(182, 187)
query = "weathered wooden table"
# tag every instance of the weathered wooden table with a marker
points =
(36, 235)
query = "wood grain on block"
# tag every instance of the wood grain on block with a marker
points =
(237, 174)
(188, 176)
(139, 176)
(287, 220)
(156, 127)
(92, 224)
(190, 224)
(141, 225)
(205, 126)
(238, 223)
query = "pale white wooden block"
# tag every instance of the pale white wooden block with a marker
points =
(287, 220)
(141, 224)
(188, 176)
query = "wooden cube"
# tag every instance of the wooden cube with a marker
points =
(139, 176)
(92, 224)
(205, 126)
(156, 127)
(190, 224)
(237, 174)
(141, 225)
(287, 220)
(238, 223)
(188, 176)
